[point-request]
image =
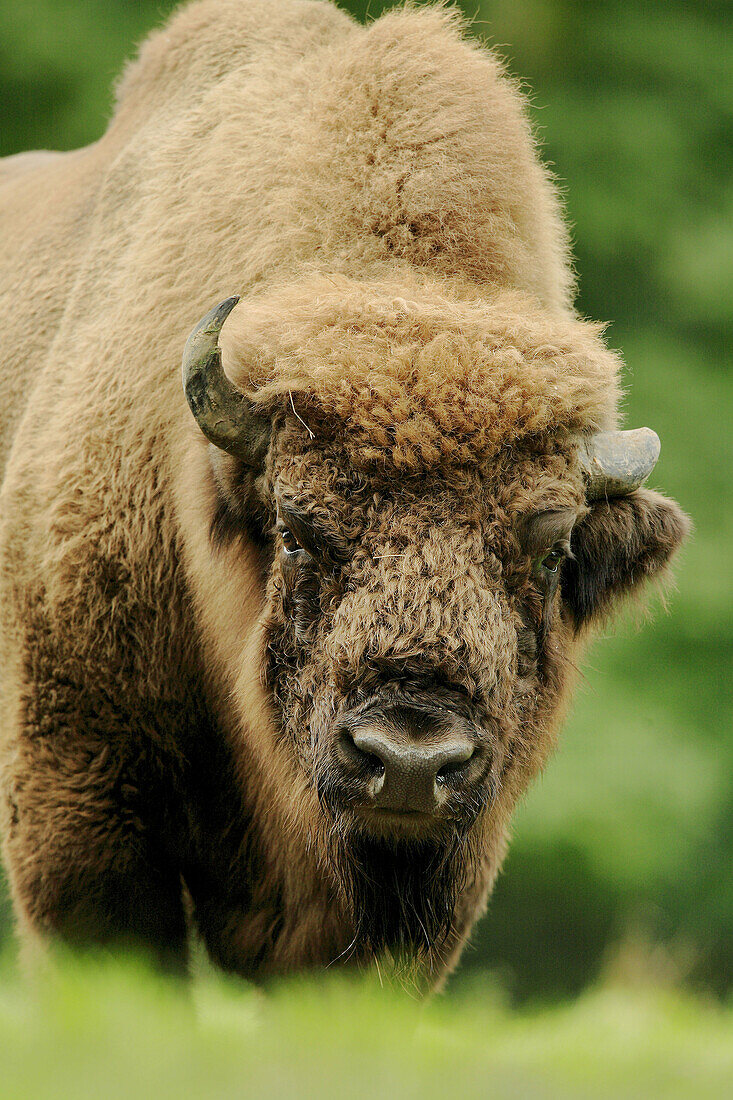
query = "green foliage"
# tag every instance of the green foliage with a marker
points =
(632, 826)
(59, 61)
(118, 1030)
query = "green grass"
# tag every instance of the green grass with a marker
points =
(115, 1029)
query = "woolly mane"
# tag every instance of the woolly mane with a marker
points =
(416, 147)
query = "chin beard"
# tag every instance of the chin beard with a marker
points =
(402, 894)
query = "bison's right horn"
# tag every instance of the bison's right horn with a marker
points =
(617, 463)
(223, 413)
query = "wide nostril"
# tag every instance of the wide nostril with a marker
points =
(455, 764)
(359, 752)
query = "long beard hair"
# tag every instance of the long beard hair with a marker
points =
(401, 894)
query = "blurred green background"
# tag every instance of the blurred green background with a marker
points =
(622, 853)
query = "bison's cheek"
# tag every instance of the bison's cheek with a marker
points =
(305, 696)
(541, 707)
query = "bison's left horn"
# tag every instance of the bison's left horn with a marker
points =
(616, 463)
(223, 413)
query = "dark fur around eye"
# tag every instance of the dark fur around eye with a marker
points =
(301, 594)
(552, 561)
(240, 513)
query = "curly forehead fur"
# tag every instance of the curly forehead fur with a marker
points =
(407, 375)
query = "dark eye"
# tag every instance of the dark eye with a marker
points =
(290, 543)
(551, 561)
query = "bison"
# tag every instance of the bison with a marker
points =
(279, 671)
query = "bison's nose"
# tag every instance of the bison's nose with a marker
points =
(410, 774)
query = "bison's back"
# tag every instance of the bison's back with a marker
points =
(46, 201)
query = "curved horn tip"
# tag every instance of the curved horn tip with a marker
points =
(215, 318)
(652, 443)
(203, 339)
(220, 313)
(618, 462)
(641, 447)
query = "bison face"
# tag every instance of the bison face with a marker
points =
(421, 634)
(426, 588)
(394, 649)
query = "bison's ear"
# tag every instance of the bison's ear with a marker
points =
(618, 545)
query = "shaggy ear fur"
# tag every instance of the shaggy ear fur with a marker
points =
(619, 544)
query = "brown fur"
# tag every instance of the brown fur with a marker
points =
(169, 680)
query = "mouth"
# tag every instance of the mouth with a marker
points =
(398, 823)
(404, 815)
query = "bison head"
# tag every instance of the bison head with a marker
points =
(442, 505)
